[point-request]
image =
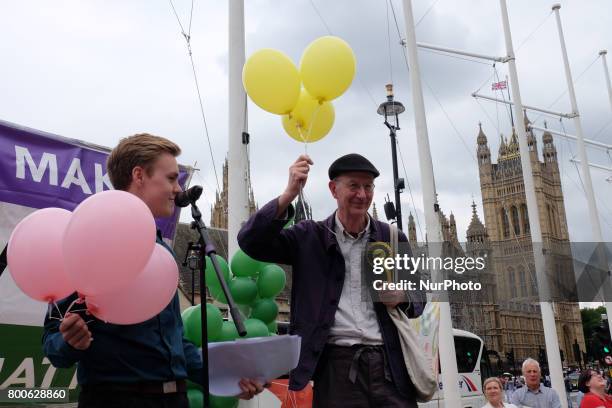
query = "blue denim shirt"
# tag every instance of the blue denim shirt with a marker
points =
(543, 397)
(154, 350)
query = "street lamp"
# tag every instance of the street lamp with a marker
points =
(390, 109)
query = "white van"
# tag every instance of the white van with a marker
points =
(469, 348)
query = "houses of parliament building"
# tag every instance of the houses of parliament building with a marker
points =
(506, 313)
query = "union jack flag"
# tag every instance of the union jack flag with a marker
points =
(496, 86)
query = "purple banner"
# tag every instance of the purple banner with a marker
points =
(39, 170)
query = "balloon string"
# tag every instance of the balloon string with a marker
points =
(304, 138)
(301, 193)
(314, 117)
(78, 300)
(50, 311)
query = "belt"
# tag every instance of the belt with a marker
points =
(149, 387)
(358, 349)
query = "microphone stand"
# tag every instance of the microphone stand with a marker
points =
(210, 251)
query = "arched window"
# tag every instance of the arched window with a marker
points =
(525, 218)
(551, 221)
(523, 281)
(515, 221)
(555, 215)
(512, 282)
(505, 223)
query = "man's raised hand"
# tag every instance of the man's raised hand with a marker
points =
(298, 175)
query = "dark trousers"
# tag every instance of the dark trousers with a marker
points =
(96, 398)
(355, 377)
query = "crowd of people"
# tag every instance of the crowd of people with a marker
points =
(533, 390)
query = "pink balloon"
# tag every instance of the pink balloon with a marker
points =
(108, 241)
(144, 297)
(35, 255)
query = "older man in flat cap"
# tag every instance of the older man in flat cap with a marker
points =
(350, 346)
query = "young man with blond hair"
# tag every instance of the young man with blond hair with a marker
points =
(144, 364)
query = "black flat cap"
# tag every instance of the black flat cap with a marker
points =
(351, 162)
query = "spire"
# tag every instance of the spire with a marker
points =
(374, 212)
(502, 146)
(532, 144)
(547, 137)
(412, 238)
(476, 231)
(509, 150)
(483, 152)
(453, 228)
(527, 121)
(482, 138)
(548, 151)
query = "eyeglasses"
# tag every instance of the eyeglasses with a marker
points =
(355, 187)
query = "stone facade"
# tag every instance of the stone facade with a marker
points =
(512, 321)
(506, 313)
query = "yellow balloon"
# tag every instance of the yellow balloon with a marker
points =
(327, 67)
(272, 81)
(310, 120)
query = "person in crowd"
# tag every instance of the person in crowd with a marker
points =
(534, 394)
(593, 385)
(494, 394)
(144, 364)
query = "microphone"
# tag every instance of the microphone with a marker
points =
(191, 195)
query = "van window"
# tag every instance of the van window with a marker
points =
(467, 350)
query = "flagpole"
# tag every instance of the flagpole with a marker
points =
(607, 74)
(584, 162)
(238, 200)
(509, 100)
(448, 357)
(546, 309)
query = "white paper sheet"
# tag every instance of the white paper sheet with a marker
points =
(261, 359)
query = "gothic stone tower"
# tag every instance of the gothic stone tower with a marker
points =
(507, 224)
(218, 211)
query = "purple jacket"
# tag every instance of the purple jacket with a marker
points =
(318, 275)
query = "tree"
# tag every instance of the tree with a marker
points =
(597, 334)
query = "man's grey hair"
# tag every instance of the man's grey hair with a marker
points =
(530, 361)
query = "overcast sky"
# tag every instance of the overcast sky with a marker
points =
(102, 70)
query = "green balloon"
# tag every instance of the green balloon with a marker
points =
(265, 310)
(193, 386)
(243, 290)
(187, 312)
(218, 295)
(273, 327)
(228, 331)
(243, 265)
(192, 324)
(255, 328)
(196, 398)
(222, 402)
(271, 281)
(212, 281)
(245, 311)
